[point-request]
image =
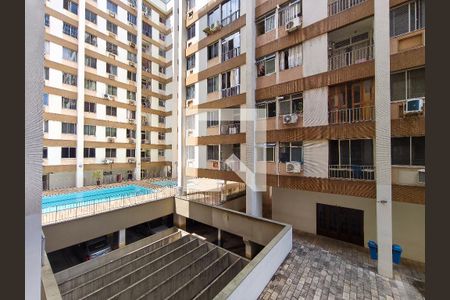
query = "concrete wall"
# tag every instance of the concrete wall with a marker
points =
(237, 204)
(299, 209)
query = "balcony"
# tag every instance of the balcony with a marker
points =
(351, 115)
(231, 18)
(231, 53)
(352, 172)
(337, 6)
(231, 91)
(231, 128)
(345, 58)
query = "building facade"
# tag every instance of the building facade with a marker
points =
(108, 91)
(314, 78)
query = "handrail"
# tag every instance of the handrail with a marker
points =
(232, 17)
(231, 91)
(338, 6)
(344, 59)
(231, 53)
(351, 115)
(352, 172)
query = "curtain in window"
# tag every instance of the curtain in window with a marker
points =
(295, 56)
(234, 77)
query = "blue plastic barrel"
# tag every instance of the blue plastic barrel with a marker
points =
(396, 253)
(373, 248)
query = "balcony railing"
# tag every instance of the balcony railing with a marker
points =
(230, 128)
(355, 56)
(231, 18)
(231, 53)
(288, 13)
(337, 6)
(352, 172)
(231, 91)
(233, 166)
(352, 115)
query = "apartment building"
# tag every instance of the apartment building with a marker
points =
(108, 91)
(314, 76)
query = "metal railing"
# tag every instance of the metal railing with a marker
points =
(288, 13)
(231, 18)
(233, 128)
(231, 91)
(337, 6)
(352, 172)
(355, 56)
(351, 115)
(233, 166)
(231, 53)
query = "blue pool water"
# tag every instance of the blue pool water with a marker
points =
(165, 183)
(72, 200)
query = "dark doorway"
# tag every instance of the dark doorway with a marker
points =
(341, 223)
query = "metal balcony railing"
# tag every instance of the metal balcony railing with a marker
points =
(233, 166)
(344, 58)
(231, 18)
(288, 13)
(351, 115)
(231, 91)
(352, 172)
(231, 53)
(233, 128)
(337, 6)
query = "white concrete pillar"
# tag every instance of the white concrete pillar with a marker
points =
(383, 137)
(80, 94)
(138, 139)
(219, 237)
(122, 238)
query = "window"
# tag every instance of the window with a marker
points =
(90, 16)
(131, 95)
(132, 57)
(68, 78)
(190, 62)
(112, 7)
(162, 36)
(265, 152)
(90, 62)
(70, 30)
(131, 37)
(409, 151)
(162, 70)
(45, 100)
(408, 84)
(293, 9)
(291, 104)
(111, 27)
(161, 136)
(69, 128)
(89, 107)
(190, 4)
(407, 17)
(146, 11)
(131, 133)
(68, 103)
(68, 152)
(231, 46)
(291, 58)
(162, 53)
(131, 152)
(212, 152)
(90, 85)
(89, 152)
(110, 152)
(147, 30)
(266, 65)
(213, 84)
(111, 69)
(230, 11)
(131, 18)
(230, 83)
(131, 76)
(47, 20)
(190, 152)
(162, 86)
(46, 47)
(71, 6)
(161, 103)
(89, 130)
(161, 119)
(190, 92)
(291, 152)
(266, 109)
(112, 90)
(112, 48)
(111, 111)
(46, 73)
(44, 152)
(190, 31)
(265, 24)
(161, 152)
(69, 54)
(212, 118)
(111, 132)
(45, 125)
(90, 39)
(214, 17)
(351, 152)
(213, 50)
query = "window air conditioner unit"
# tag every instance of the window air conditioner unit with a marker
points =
(131, 160)
(414, 105)
(112, 14)
(293, 24)
(293, 167)
(421, 174)
(190, 13)
(107, 96)
(290, 119)
(232, 130)
(189, 102)
(108, 161)
(112, 77)
(131, 64)
(132, 45)
(111, 140)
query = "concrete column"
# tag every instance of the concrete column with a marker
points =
(180, 46)
(219, 237)
(383, 137)
(122, 238)
(250, 249)
(138, 139)
(253, 198)
(179, 221)
(80, 94)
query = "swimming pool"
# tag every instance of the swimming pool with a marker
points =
(165, 183)
(72, 200)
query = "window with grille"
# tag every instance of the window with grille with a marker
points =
(407, 17)
(68, 103)
(212, 152)
(69, 128)
(68, 152)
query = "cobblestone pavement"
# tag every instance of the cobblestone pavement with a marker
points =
(322, 268)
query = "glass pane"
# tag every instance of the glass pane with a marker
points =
(270, 66)
(399, 20)
(296, 154)
(284, 152)
(400, 151)
(398, 86)
(271, 109)
(345, 152)
(418, 151)
(416, 83)
(334, 152)
(285, 107)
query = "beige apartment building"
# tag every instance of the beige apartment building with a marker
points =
(108, 91)
(309, 66)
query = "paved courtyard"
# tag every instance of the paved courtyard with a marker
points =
(322, 268)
